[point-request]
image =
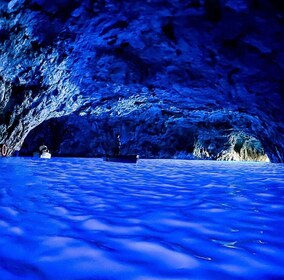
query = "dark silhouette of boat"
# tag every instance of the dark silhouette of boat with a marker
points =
(121, 158)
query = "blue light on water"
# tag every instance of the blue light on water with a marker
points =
(158, 219)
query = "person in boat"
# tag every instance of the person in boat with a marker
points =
(43, 149)
(116, 149)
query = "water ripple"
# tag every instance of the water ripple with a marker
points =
(158, 219)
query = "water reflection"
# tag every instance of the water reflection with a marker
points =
(172, 219)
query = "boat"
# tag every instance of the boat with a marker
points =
(121, 158)
(42, 155)
(45, 155)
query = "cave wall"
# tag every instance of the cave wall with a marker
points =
(177, 79)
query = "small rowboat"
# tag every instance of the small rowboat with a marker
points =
(42, 155)
(122, 158)
(45, 155)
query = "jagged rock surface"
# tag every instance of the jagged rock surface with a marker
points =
(175, 78)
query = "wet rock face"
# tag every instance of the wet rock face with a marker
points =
(35, 80)
(152, 133)
(174, 78)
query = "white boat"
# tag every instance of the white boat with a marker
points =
(42, 155)
(45, 155)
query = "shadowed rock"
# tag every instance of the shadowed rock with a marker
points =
(174, 78)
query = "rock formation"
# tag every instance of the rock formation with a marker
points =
(177, 79)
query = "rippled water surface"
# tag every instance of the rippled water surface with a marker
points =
(157, 219)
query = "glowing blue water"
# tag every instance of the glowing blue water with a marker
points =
(159, 219)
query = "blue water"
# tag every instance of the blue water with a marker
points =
(157, 219)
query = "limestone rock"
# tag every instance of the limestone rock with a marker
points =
(177, 79)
